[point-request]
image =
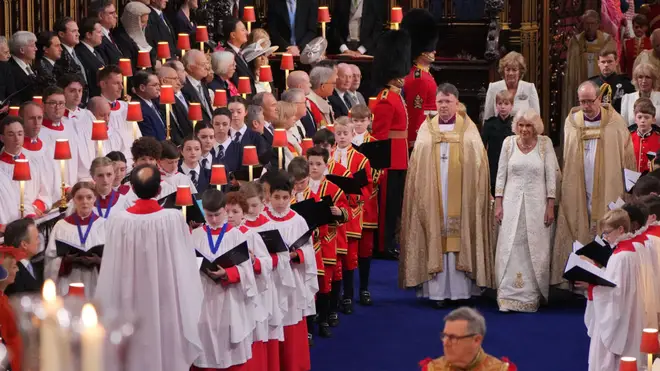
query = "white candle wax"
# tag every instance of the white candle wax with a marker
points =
(91, 340)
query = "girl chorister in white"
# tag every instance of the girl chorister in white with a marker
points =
(78, 233)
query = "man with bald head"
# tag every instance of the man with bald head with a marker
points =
(597, 146)
(179, 123)
(146, 272)
(582, 57)
(355, 95)
(651, 56)
(195, 89)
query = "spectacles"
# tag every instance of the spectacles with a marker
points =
(454, 338)
(55, 104)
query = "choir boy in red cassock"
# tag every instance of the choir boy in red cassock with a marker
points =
(615, 321)
(354, 161)
(227, 320)
(262, 264)
(391, 65)
(147, 271)
(276, 298)
(317, 158)
(294, 351)
(298, 169)
(634, 45)
(361, 118)
(84, 230)
(644, 134)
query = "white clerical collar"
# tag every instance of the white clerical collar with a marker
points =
(21, 63)
(242, 130)
(186, 170)
(89, 47)
(52, 62)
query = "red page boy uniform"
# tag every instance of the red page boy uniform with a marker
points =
(644, 143)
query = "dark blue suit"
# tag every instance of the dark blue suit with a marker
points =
(153, 124)
(232, 159)
(203, 178)
(252, 138)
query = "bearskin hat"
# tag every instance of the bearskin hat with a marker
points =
(423, 31)
(392, 57)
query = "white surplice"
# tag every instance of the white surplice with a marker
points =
(66, 230)
(178, 179)
(302, 301)
(276, 298)
(522, 260)
(88, 148)
(40, 157)
(262, 276)
(647, 279)
(9, 199)
(227, 319)
(150, 270)
(451, 283)
(617, 312)
(34, 189)
(653, 265)
(119, 203)
(123, 132)
(49, 134)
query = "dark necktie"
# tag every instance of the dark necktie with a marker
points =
(237, 137)
(162, 17)
(204, 162)
(98, 56)
(221, 152)
(193, 177)
(347, 101)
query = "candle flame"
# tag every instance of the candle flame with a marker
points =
(89, 318)
(49, 291)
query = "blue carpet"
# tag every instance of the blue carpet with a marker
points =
(399, 330)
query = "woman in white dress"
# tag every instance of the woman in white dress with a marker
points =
(525, 200)
(83, 229)
(646, 79)
(512, 68)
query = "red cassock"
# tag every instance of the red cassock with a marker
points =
(331, 243)
(356, 161)
(370, 212)
(631, 49)
(316, 237)
(420, 88)
(391, 121)
(643, 145)
(335, 168)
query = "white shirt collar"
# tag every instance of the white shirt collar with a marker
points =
(242, 130)
(340, 93)
(105, 31)
(209, 158)
(186, 170)
(234, 47)
(69, 49)
(314, 185)
(224, 145)
(194, 82)
(52, 62)
(91, 49)
(21, 63)
(358, 139)
(158, 11)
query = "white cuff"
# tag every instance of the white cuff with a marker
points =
(343, 48)
(362, 49)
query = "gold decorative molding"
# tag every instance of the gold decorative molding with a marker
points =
(51, 14)
(504, 17)
(7, 7)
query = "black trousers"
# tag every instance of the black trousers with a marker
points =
(396, 180)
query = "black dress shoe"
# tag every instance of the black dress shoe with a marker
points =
(365, 298)
(333, 319)
(310, 340)
(347, 306)
(324, 330)
(438, 304)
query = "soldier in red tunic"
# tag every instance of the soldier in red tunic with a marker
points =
(419, 86)
(391, 65)
(644, 133)
(633, 46)
(652, 13)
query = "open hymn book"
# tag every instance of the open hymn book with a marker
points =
(597, 250)
(578, 269)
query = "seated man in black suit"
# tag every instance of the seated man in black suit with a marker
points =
(23, 48)
(268, 104)
(107, 13)
(68, 32)
(340, 99)
(255, 121)
(356, 25)
(225, 151)
(300, 80)
(236, 36)
(159, 28)
(240, 133)
(147, 90)
(49, 51)
(195, 89)
(292, 23)
(4, 50)
(180, 126)
(23, 234)
(92, 61)
(191, 151)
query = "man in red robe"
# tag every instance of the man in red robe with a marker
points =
(390, 121)
(420, 85)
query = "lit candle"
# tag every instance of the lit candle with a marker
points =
(91, 340)
(51, 356)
